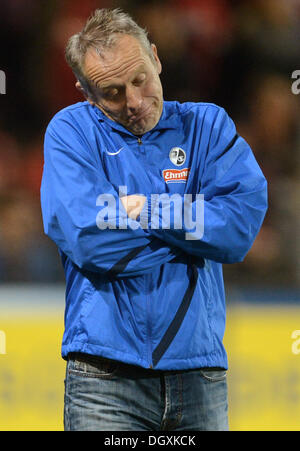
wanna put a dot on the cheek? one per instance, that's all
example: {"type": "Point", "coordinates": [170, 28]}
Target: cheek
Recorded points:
{"type": "Point", "coordinates": [115, 108]}
{"type": "Point", "coordinates": [154, 89]}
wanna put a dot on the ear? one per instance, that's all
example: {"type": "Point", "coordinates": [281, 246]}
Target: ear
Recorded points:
{"type": "Point", "coordinates": [156, 59]}
{"type": "Point", "coordinates": [82, 91]}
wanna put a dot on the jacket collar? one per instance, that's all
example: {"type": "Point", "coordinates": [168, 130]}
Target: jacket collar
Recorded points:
{"type": "Point", "coordinates": [168, 119]}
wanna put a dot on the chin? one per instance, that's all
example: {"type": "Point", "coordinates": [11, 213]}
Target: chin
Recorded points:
{"type": "Point", "coordinates": [139, 130]}
{"type": "Point", "coordinates": [144, 126]}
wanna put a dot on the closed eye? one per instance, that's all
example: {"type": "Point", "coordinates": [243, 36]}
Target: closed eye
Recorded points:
{"type": "Point", "coordinates": [112, 93]}
{"type": "Point", "coordinates": [138, 81]}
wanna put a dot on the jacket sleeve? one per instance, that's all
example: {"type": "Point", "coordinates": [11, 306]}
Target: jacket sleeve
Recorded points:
{"type": "Point", "coordinates": [229, 212]}
{"type": "Point", "coordinates": [76, 196]}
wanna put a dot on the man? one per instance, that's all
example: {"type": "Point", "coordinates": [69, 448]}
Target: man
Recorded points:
{"type": "Point", "coordinates": [128, 179]}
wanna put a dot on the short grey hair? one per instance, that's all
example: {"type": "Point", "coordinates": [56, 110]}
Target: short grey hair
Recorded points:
{"type": "Point", "coordinates": [101, 31]}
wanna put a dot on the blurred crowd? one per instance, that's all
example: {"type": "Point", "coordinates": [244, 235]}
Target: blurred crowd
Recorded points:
{"type": "Point", "coordinates": [237, 54]}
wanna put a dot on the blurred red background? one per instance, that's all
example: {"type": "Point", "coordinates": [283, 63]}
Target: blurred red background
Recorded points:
{"type": "Point", "coordinates": [237, 54]}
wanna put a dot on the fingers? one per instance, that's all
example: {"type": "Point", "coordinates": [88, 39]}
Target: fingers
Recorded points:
{"type": "Point", "coordinates": [133, 205]}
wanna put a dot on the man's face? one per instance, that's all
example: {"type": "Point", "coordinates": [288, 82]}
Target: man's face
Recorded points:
{"type": "Point", "coordinates": [126, 84]}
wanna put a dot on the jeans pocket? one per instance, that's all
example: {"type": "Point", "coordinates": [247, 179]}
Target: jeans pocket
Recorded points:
{"type": "Point", "coordinates": [92, 366]}
{"type": "Point", "coordinates": [213, 374]}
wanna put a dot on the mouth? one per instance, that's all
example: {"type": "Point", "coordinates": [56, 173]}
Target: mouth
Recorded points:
{"type": "Point", "coordinates": [141, 115]}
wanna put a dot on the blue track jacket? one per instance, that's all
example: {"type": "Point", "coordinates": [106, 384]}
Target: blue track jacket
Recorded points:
{"type": "Point", "coordinates": [149, 292]}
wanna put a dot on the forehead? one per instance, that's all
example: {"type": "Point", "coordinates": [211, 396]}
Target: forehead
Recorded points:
{"type": "Point", "coordinates": [126, 56]}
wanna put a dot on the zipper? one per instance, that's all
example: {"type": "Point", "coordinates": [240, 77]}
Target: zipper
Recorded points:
{"type": "Point", "coordinates": [149, 352]}
{"type": "Point", "coordinates": [178, 318]}
{"type": "Point", "coordinates": [148, 328]}
{"type": "Point", "coordinates": [147, 164]}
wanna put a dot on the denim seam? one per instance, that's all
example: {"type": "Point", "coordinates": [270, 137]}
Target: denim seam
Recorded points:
{"type": "Point", "coordinates": [167, 405]}
{"type": "Point", "coordinates": [180, 400]}
{"type": "Point", "coordinates": [67, 425]}
{"type": "Point", "coordinates": [214, 379]}
{"type": "Point", "coordinates": [92, 375]}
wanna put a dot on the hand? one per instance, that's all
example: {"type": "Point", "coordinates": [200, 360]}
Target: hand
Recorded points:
{"type": "Point", "coordinates": [133, 205]}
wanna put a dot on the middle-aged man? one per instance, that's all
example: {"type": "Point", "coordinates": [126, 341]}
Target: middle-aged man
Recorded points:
{"type": "Point", "coordinates": [145, 199]}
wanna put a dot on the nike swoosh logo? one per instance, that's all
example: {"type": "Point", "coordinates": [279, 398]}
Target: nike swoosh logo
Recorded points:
{"type": "Point", "coordinates": [114, 153]}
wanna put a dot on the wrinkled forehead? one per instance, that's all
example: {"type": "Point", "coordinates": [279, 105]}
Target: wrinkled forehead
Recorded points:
{"type": "Point", "coordinates": [126, 55]}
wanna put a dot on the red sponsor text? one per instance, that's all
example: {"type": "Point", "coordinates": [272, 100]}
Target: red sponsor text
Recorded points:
{"type": "Point", "coordinates": [176, 175]}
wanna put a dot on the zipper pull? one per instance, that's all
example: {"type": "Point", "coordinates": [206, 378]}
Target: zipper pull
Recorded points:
{"type": "Point", "coordinates": [140, 141]}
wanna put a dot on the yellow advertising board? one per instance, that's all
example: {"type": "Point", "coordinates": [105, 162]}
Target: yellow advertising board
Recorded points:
{"type": "Point", "coordinates": [264, 377]}
{"type": "Point", "coordinates": [264, 357]}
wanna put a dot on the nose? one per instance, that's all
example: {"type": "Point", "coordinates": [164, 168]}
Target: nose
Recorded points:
{"type": "Point", "coordinates": [134, 99]}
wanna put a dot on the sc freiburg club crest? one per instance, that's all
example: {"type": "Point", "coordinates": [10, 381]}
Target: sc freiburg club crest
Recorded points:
{"type": "Point", "coordinates": [177, 156]}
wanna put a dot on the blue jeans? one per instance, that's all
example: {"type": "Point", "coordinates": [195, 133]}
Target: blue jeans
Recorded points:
{"type": "Point", "coordinates": [106, 395]}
